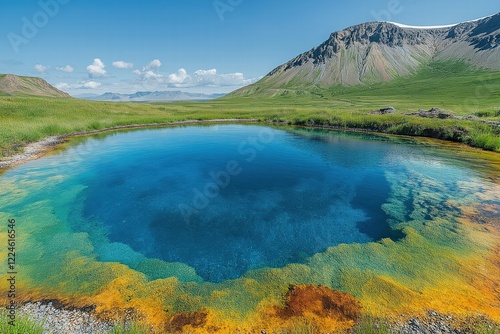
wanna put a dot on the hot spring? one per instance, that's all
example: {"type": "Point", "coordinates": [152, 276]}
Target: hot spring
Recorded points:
{"type": "Point", "coordinates": [228, 199]}
{"type": "Point", "coordinates": [217, 207]}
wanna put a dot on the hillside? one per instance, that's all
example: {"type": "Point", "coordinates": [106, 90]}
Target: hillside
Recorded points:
{"type": "Point", "coordinates": [13, 85]}
{"type": "Point", "coordinates": [378, 52]}
{"type": "Point", "coordinates": [451, 85]}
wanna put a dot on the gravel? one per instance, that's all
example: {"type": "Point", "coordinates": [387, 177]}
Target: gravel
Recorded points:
{"type": "Point", "coordinates": [57, 320]}
{"type": "Point", "coordinates": [437, 323]}
{"type": "Point", "coordinates": [61, 321]}
{"type": "Point", "coordinates": [31, 151]}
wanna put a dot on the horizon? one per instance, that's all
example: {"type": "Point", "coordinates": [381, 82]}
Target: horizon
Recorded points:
{"type": "Point", "coordinates": [155, 46]}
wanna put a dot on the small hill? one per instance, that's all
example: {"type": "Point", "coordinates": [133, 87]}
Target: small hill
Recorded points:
{"type": "Point", "coordinates": [378, 52]}
{"type": "Point", "coordinates": [13, 85]}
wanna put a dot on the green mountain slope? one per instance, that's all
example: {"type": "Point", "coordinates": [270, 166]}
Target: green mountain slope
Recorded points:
{"type": "Point", "coordinates": [450, 85]}
{"type": "Point", "coordinates": [379, 52]}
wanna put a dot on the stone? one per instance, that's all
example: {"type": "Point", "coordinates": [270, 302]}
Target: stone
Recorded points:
{"type": "Point", "coordinates": [383, 111]}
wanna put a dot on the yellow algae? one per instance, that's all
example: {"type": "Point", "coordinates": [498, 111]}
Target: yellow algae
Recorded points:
{"type": "Point", "coordinates": [157, 269]}
{"type": "Point", "coordinates": [382, 295]}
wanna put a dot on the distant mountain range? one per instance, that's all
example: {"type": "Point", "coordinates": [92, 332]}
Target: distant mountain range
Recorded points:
{"type": "Point", "coordinates": [13, 85]}
{"type": "Point", "coordinates": [382, 51]}
{"type": "Point", "coordinates": [161, 96]}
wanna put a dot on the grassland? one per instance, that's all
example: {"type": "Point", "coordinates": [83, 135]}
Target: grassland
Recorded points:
{"type": "Point", "coordinates": [450, 86]}
{"type": "Point", "coordinates": [22, 325]}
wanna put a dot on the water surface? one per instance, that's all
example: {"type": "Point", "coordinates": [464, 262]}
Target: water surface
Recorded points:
{"type": "Point", "coordinates": [227, 199]}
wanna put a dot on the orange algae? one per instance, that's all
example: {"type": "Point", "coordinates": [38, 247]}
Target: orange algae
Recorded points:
{"type": "Point", "coordinates": [326, 308]}
{"type": "Point", "coordinates": [181, 320]}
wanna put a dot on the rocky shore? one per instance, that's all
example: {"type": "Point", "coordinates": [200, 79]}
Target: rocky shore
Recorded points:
{"type": "Point", "coordinates": [58, 320]}
{"type": "Point", "coordinates": [437, 323]}
{"type": "Point", "coordinates": [443, 114]}
{"type": "Point", "coordinates": [31, 151]}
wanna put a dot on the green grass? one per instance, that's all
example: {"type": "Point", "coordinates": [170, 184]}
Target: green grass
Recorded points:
{"type": "Point", "coordinates": [487, 328]}
{"type": "Point", "coordinates": [370, 325]}
{"type": "Point", "coordinates": [450, 86]}
{"type": "Point", "coordinates": [23, 325]}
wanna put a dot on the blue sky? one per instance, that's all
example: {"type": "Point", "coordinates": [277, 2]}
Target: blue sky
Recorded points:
{"type": "Point", "coordinates": [90, 46]}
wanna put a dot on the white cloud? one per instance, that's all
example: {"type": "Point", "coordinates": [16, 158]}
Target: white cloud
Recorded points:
{"type": "Point", "coordinates": [91, 85]}
{"type": "Point", "coordinates": [67, 69]}
{"type": "Point", "coordinates": [40, 68]}
{"type": "Point", "coordinates": [122, 65]}
{"type": "Point", "coordinates": [62, 85]}
{"type": "Point", "coordinates": [96, 69]}
{"type": "Point", "coordinates": [149, 73]}
{"type": "Point", "coordinates": [80, 85]}
{"type": "Point", "coordinates": [154, 64]}
{"type": "Point", "coordinates": [207, 78]}
{"type": "Point", "coordinates": [179, 77]}
{"type": "Point", "coordinates": [213, 71]}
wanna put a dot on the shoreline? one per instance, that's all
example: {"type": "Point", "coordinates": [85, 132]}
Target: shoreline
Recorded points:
{"type": "Point", "coordinates": [38, 149]}
{"type": "Point", "coordinates": [55, 318]}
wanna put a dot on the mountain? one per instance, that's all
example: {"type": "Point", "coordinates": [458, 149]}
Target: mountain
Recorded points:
{"type": "Point", "coordinates": [382, 51]}
{"type": "Point", "coordinates": [153, 97]}
{"type": "Point", "coordinates": [14, 85]}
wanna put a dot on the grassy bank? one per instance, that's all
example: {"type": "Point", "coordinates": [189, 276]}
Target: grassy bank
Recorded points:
{"type": "Point", "coordinates": [25, 120]}
{"type": "Point", "coordinates": [21, 325]}
{"type": "Point", "coordinates": [450, 86]}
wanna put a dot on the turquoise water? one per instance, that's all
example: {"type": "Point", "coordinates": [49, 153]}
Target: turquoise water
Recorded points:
{"type": "Point", "coordinates": [229, 198]}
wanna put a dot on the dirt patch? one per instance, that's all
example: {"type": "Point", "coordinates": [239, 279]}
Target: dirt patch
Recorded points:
{"type": "Point", "coordinates": [193, 319]}
{"type": "Point", "coordinates": [321, 301]}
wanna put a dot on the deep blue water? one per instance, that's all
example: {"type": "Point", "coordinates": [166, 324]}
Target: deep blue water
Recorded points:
{"type": "Point", "coordinates": [285, 196]}
{"type": "Point", "coordinates": [229, 198]}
